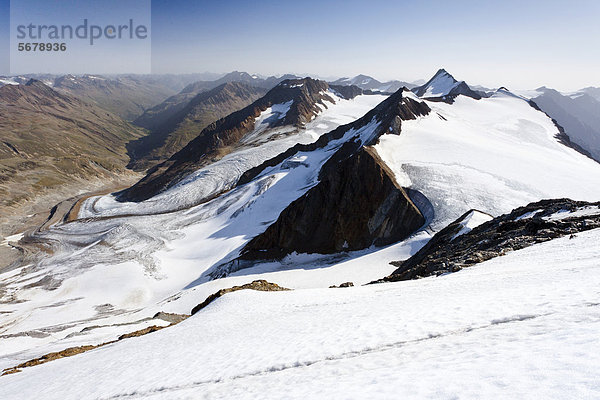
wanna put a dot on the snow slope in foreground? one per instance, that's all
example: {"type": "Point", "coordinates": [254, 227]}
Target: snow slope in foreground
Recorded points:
{"type": "Point", "coordinates": [493, 154]}
{"type": "Point", "coordinates": [520, 326]}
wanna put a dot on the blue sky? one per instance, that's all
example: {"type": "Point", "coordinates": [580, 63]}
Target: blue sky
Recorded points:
{"type": "Point", "coordinates": [513, 43]}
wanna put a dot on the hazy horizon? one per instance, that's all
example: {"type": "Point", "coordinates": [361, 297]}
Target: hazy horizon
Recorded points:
{"type": "Point", "coordinates": [521, 45]}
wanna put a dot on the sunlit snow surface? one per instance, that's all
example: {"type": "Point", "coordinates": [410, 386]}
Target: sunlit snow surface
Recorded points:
{"type": "Point", "coordinates": [523, 326]}
{"type": "Point", "coordinates": [472, 220]}
{"type": "Point", "coordinates": [492, 154]}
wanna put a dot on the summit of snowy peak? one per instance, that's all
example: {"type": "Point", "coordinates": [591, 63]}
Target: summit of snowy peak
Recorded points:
{"type": "Point", "coordinates": [358, 80]}
{"type": "Point", "coordinates": [443, 72]}
{"type": "Point", "coordinates": [362, 79]}
{"type": "Point", "coordinates": [443, 84]}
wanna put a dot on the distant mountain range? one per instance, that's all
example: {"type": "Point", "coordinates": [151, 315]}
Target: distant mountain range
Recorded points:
{"type": "Point", "coordinates": [369, 83]}
{"type": "Point", "coordinates": [578, 113]}
{"type": "Point", "coordinates": [126, 96]}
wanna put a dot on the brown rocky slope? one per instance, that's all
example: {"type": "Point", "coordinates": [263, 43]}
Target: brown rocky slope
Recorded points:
{"type": "Point", "coordinates": [183, 125]}
{"type": "Point", "coordinates": [50, 140]}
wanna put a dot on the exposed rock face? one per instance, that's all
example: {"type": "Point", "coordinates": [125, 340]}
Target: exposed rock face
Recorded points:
{"type": "Point", "coordinates": [260, 285]}
{"type": "Point", "coordinates": [350, 91]}
{"type": "Point", "coordinates": [153, 118]}
{"type": "Point", "coordinates": [355, 205]}
{"type": "Point", "coordinates": [220, 137]}
{"type": "Point", "coordinates": [535, 223]}
{"type": "Point", "coordinates": [342, 285]}
{"type": "Point", "coordinates": [186, 123]}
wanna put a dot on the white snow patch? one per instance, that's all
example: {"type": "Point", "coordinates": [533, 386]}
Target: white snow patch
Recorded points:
{"type": "Point", "coordinates": [471, 221]}
{"type": "Point", "coordinates": [587, 211]}
{"type": "Point", "coordinates": [528, 215]}
{"type": "Point", "coordinates": [440, 86]}
{"type": "Point", "coordinates": [12, 238]}
{"type": "Point", "coordinates": [136, 265]}
{"type": "Point", "coordinates": [8, 82]}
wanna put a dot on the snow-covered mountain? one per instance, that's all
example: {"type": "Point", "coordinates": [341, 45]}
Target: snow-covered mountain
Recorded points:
{"type": "Point", "coordinates": [443, 85]}
{"type": "Point", "coordinates": [309, 187]}
{"type": "Point", "coordinates": [283, 111]}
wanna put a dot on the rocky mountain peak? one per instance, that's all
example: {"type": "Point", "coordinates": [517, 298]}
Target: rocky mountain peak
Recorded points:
{"type": "Point", "coordinates": [443, 73]}
{"type": "Point", "coordinates": [305, 94]}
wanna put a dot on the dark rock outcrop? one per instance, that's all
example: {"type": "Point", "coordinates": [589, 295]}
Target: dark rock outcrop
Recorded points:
{"type": "Point", "coordinates": [357, 203]}
{"type": "Point", "coordinates": [342, 285]}
{"type": "Point", "coordinates": [523, 227]}
{"type": "Point", "coordinates": [261, 285]}
{"type": "Point", "coordinates": [348, 92]}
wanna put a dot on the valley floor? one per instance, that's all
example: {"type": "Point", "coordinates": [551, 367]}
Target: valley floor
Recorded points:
{"type": "Point", "coordinates": [524, 325]}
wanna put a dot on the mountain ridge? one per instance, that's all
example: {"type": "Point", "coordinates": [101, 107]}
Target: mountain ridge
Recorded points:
{"type": "Point", "coordinates": [215, 140]}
